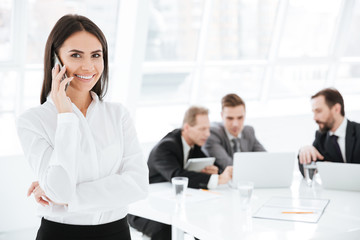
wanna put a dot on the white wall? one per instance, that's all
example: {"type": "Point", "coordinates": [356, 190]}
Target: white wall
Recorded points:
{"type": "Point", "coordinates": [17, 211]}
{"type": "Point", "coordinates": [289, 133]}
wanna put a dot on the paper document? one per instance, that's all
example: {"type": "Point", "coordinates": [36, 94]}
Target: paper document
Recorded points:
{"type": "Point", "coordinates": [293, 209]}
{"type": "Point", "coordinates": [192, 195]}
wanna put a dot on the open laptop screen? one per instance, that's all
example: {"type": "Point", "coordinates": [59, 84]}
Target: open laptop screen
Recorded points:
{"type": "Point", "coordinates": [340, 176]}
{"type": "Point", "coordinates": [265, 169]}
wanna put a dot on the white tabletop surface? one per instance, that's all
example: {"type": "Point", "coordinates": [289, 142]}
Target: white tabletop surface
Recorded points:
{"type": "Point", "coordinates": [224, 218]}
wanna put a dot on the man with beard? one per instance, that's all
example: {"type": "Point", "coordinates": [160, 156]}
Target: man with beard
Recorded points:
{"type": "Point", "coordinates": [338, 139]}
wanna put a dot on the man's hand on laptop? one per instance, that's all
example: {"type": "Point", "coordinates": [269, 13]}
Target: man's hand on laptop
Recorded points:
{"type": "Point", "coordinates": [226, 175]}
{"type": "Point", "coordinates": [308, 154]}
{"type": "Point", "coordinates": [212, 169]}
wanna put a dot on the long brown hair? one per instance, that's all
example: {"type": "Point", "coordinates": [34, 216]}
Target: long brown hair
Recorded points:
{"type": "Point", "coordinates": [64, 28]}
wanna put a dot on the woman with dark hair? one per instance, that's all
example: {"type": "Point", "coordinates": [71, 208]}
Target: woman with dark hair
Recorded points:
{"type": "Point", "coordinates": [83, 151]}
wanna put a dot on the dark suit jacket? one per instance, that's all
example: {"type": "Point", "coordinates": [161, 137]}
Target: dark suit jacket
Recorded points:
{"type": "Point", "coordinates": [352, 145]}
{"type": "Point", "coordinates": [218, 144]}
{"type": "Point", "coordinates": [166, 161]}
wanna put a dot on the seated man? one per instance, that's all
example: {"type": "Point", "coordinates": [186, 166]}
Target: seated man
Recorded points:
{"type": "Point", "coordinates": [167, 160]}
{"type": "Point", "coordinates": [231, 135]}
{"type": "Point", "coordinates": [338, 139]}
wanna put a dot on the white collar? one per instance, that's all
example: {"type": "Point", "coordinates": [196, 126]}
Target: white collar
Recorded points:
{"type": "Point", "coordinates": [186, 146]}
{"type": "Point", "coordinates": [94, 97]}
{"type": "Point", "coordinates": [341, 130]}
{"type": "Point", "coordinates": [95, 100]}
{"type": "Point", "coordinates": [230, 136]}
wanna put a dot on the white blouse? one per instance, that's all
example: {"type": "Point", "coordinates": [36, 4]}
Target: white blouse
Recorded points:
{"type": "Point", "coordinates": [93, 163]}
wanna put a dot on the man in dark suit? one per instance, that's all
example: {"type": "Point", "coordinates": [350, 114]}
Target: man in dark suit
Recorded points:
{"type": "Point", "coordinates": [231, 135]}
{"type": "Point", "coordinates": [167, 160]}
{"type": "Point", "coordinates": [338, 139]}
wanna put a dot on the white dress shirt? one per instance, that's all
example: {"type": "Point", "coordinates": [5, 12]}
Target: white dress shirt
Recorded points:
{"type": "Point", "coordinates": [214, 178]}
{"type": "Point", "coordinates": [93, 163]}
{"type": "Point", "coordinates": [186, 149]}
{"type": "Point", "coordinates": [341, 133]}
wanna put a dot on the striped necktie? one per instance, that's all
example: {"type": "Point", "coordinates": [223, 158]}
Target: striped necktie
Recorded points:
{"type": "Point", "coordinates": [236, 142]}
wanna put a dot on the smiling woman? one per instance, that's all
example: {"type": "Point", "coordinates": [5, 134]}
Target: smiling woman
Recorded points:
{"type": "Point", "coordinates": [83, 151]}
{"type": "Point", "coordinates": [81, 55]}
{"type": "Point", "coordinates": [83, 47]}
{"type": "Point", "coordinates": [85, 61]}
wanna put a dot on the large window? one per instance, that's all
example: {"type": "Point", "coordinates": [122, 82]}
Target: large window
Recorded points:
{"type": "Point", "coordinates": [6, 28]}
{"type": "Point", "coordinates": [174, 29]}
{"type": "Point", "coordinates": [239, 29]}
{"type": "Point", "coordinates": [270, 52]}
{"type": "Point", "coordinates": [309, 28]}
{"type": "Point", "coordinates": [103, 13]}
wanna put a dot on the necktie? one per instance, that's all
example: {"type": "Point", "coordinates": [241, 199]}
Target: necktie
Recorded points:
{"type": "Point", "coordinates": [191, 151]}
{"type": "Point", "coordinates": [335, 143]}
{"type": "Point", "coordinates": [236, 146]}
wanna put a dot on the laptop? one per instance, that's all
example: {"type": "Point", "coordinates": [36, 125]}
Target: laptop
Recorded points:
{"type": "Point", "coordinates": [340, 176]}
{"type": "Point", "coordinates": [264, 169]}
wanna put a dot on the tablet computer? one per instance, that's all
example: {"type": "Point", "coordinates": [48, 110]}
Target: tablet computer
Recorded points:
{"type": "Point", "coordinates": [198, 164]}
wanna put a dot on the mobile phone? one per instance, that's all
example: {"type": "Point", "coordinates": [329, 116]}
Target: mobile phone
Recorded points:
{"type": "Point", "coordinates": [57, 61]}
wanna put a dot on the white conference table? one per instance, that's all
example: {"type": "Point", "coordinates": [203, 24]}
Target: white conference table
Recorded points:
{"type": "Point", "coordinates": [223, 217]}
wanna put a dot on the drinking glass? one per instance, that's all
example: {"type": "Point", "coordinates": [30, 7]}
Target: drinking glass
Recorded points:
{"type": "Point", "coordinates": [309, 172]}
{"type": "Point", "coordinates": [180, 185]}
{"type": "Point", "coordinates": [245, 189]}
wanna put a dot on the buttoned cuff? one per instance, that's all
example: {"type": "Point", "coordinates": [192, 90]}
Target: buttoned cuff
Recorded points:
{"type": "Point", "coordinates": [213, 181]}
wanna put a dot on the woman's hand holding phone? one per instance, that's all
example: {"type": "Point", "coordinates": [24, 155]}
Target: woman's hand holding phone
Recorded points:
{"type": "Point", "coordinates": [58, 93]}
